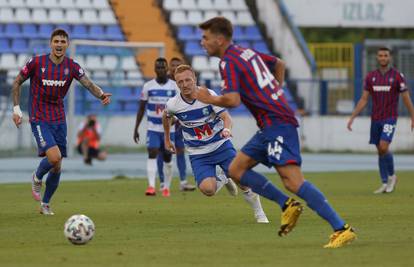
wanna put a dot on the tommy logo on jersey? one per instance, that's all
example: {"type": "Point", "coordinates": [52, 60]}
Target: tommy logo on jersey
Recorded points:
{"type": "Point", "coordinates": [53, 83]}
{"type": "Point", "coordinates": [381, 88]}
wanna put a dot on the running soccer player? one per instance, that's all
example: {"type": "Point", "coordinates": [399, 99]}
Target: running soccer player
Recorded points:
{"type": "Point", "coordinates": [154, 95]}
{"type": "Point", "coordinates": [178, 141]}
{"type": "Point", "coordinates": [247, 78]}
{"type": "Point", "coordinates": [50, 78]}
{"type": "Point", "coordinates": [206, 132]}
{"type": "Point", "coordinates": [384, 84]}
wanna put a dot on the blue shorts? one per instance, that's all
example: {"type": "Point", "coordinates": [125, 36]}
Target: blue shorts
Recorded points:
{"type": "Point", "coordinates": [205, 165]}
{"type": "Point", "coordinates": [178, 137]}
{"type": "Point", "coordinates": [278, 145]}
{"type": "Point", "coordinates": [156, 139]}
{"type": "Point", "coordinates": [382, 130]}
{"type": "Point", "coordinates": [48, 135]}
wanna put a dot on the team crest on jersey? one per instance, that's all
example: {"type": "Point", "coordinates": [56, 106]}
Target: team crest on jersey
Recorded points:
{"type": "Point", "coordinates": [205, 111]}
{"type": "Point", "coordinates": [81, 72]}
{"type": "Point", "coordinates": [43, 70]}
{"type": "Point", "coordinates": [223, 64]}
{"type": "Point", "coordinates": [66, 71]}
{"type": "Point", "coordinates": [169, 93]}
{"type": "Point", "coordinates": [373, 79]}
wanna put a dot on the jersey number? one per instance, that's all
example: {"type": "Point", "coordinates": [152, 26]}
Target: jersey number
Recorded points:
{"type": "Point", "coordinates": [263, 75]}
{"type": "Point", "coordinates": [203, 131]}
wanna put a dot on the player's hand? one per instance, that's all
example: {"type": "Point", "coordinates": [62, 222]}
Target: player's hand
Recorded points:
{"type": "Point", "coordinates": [106, 98]}
{"type": "Point", "coordinates": [349, 125]}
{"type": "Point", "coordinates": [17, 115]}
{"type": "Point", "coordinates": [226, 133]}
{"type": "Point", "coordinates": [136, 136]}
{"type": "Point", "coordinates": [203, 94]}
{"type": "Point", "coordinates": [169, 146]}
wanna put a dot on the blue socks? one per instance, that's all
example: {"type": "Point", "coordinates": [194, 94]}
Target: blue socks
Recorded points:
{"type": "Point", "coordinates": [262, 186]}
{"type": "Point", "coordinates": [389, 159]}
{"type": "Point", "coordinates": [317, 202]}
{"type": "Point", "coordinates": [181, 166]}
{"type": "Point", "coordinates": [382, 162]}
{"type": "Point", "coordinates": [160, 166]}
{"type": "Point", "coordinates": [44, 167]}
{"type": "Point", "coordinates": [52, 183]}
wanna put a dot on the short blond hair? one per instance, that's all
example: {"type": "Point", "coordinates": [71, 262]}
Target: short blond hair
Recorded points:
{"type": "Point", "coordinates": [181, 68]}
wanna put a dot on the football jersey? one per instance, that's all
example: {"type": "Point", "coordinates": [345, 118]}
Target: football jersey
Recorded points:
{"type": "Point", "coordinates": [201, 125]}
{"type": "Point", "coordinates": [385, 89]}
{"type": "Point", "coordinates": [249, 73]}
{"type": "Point", "coordinates": [157, 96]}
{"type": "Point", "coordinates": [49, 84]}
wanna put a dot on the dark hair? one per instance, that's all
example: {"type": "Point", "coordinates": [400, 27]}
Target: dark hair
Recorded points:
{"type": "Point", "coordinates": [384, 48]}
{"type": "Point", "coordinates": [59, 32]}
{"type": "Point", "coordinates": [161, 59]}
{"type": "Point", "coordinates": [218, 25]}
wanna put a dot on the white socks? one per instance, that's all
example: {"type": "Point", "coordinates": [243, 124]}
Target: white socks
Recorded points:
{"type": "Point", "coordinates": [253, 200]}
{"type": "Point", "coordinates": [168, 173]}
{"type": "Point", "coordinates": [151, 171]}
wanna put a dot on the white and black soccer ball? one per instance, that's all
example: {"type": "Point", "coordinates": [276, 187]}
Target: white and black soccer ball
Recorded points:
{"type": "Point", "coordinates": [79, 229]}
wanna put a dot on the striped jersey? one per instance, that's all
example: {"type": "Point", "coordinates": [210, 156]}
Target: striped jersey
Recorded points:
{"type": "Point", "coordinates": [201, 125]}
{"type": "Point", "coordinates": [156, 95]}
{"type": "Point", "coordinates": [249, 73]}
{"type": "Point", "coordinates": [385, 89]}
{"type": "Point", "coordinates": [49, 84]}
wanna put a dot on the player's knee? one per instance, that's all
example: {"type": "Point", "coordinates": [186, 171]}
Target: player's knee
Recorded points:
{"type": "Point", "coordinates": [208, 187]}
{"type": "Point", "coordinates": [55, 160]}
{"type": "Point", "coordinates": [208, 192]}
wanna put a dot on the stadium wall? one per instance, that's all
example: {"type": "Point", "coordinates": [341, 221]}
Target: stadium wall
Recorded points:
{"type": "Point", "coordinates": [319, 133]}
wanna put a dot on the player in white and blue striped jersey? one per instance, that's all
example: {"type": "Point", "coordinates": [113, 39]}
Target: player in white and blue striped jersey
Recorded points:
{"type": "Point", "coordinates": [154, 95]}
{"type": "Point", "coordinates": [206, 132]}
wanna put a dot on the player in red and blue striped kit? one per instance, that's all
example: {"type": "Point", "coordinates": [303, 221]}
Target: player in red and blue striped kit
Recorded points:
{"type": "Point", "coordinates": [384, 84]}
{"type": "Point", "coordinates": [50, 78]}
{"type": "Point", "coordinates": [247, 78]}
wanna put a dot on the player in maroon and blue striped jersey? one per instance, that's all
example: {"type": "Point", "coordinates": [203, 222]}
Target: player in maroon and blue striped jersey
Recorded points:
{"type": "Point", "coordinates": [385, 85]}
{"type": "Point", "coordinates": [50, 78]}
{"type": "Point", "coordinates": [254, 79]}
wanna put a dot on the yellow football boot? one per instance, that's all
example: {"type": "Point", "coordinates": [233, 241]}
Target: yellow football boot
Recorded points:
{"type": "Point", "coordinates": [341, 238]}
{"type": "Point", "coordinates": [290, 216]}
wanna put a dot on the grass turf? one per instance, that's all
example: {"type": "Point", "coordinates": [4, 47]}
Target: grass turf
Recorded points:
{"type": "Point", "coordinates": [189, 229]}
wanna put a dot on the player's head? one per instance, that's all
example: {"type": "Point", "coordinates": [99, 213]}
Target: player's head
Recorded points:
{"type": "Point", "coordinates": [173, 64]}
{"type": "Point", "coordinates": [217, 35]}
{"type": "Point", "coordinates": [383, 56]}
{"type": "Point", "coordinates": [59, 42]}
{"type": "Point", "coordinates": [186, 79]}
{"type": "Point", "coordinates": [161, 68]}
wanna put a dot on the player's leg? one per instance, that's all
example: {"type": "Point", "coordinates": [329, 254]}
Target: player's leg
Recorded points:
{"type": "Point", "coordinates": [385, 155]}
{"type": "Point", "coordinates": [181, 162]}
{"type": "Point", "coordinates": [153, 145]}
{"type": "Point", "coordinates": [168, 172]}
{"type": "Point", "coordinates": [160, 168]}
{"type": "Point", "coordinates": [375, 138]}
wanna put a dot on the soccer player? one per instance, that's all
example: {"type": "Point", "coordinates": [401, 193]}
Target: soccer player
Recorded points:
{"type": "Point", "coordinates": [178, 141]}
{"type": "Point", "coordinates": [247, 78]}
{"type": "Point", "coordinates": [206, 132]}
{"type": "Point", "coordinates": [154, 95]}
{"type": "Point", "coordinates": [384, 84]}
{"type": "Point", "coordinates": [50, 77]}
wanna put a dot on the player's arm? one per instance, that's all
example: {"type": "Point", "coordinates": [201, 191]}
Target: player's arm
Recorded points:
{"type": "Point", "coordinates": [166, 123]}
{"type": "Point", "coordinates": [95, 90]}
{"type": "Point", "coordinates": [279, 71]}
{"type": "Point", "coordinates": [407, 102]}
{"type": "Point", "coordinates": [229, 100]}
{"type": "Point", "coordinates": [363, 101]}
{"type": "Point", "coordinates": [140, 115]}
{"type": "Point", "coordinates": [16, 88]}
{"type": "Point", "coordinates": [225, 116]}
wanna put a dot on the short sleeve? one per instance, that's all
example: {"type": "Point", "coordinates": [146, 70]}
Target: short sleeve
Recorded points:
{"type": "Point", "coordinates": [367, 83]}
{"type": "Point", "coordinates": [402, 85]}
{"type": "Point", "coordinates": [270, 61]}
{"type": "Point", "coordinates": [169, 110]}
{"type": "Point", "coordinates": [216, 109]}
{"type": "Point", "coordinates": [144, 93]}
{"type": "Point", "coordinates": [230, 76]}
{"type": "Point", "coordinates": [77, 70]}
{"type": "Point", "coordinates": [28, 69]}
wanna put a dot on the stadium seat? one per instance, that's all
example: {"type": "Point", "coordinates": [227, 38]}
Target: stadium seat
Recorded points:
{"type": "Point", "coordinates": [101, 77]}
{"type": "Point", "coordinates": [261, 47]}
{"type": "Point", "coordinates": [186, 32]}
{"type": "Point", "coordinates": [134, 75]}
{"type": "Point", "coordinates": [100, 4]}
{"type": "Point", "coordinates": [29, 31]}
{"type": "Point", "coordinates": [56, 16]}
{"type": "Point", "coordinates": [178, 17]}
{"type": "Point", "coordinates": [45, 30]}
{"type": "Point", "coordinates": [221, 5]}
{"type": "Point", "coordinates": [193, 48]}
{"type": "Point", "coordinates": [8, 61]}
{"type": "Point", "coordinates": [83, 4]}
{"type": "Point", "coordinates": [200, 63]}
{"type": "Point", "coordinates": [214, 63]}
{"type": "Point", "coordinates": [106, 16]}
{"type": "Point", "coordinates": [244, 18]}
{"type": "Point", "coordinates": [19, 46]}
{"type": "Point", "coordinates": [80, 32]}
{"type": "Point", "coordinates": [33, 3]}
{"type": "Point", "coordinates": [65, 27]}
{"type": "Point", "coordinates": [129, 63]}
{"type": "Point", "coordinates": [39, 47]}
{"type": "Point", "coordinates": [210, 14]}
{"type": "Point", "coordinates": [207, 76]}
{"type": "Point", "coordinates": [16, 3]}
{"type": "Point", "coordinates": [90, 16]}
{"type": "Point", "coordinates": [22, 15]}
{"type": "Point", "coordinates": [22, 59]}
{"type": "Point", "coordinates": [50, 3]}
{"type": "Point", "coordinates": [1, 30]}
{"type": "Point", "coordinates": [110, 62]}
{"type": "Point", "coordinates": [230, 15]}
{"type": "Point", "coordinates": [238, 33]}
{"type": "Point", "coordinates": [189, 5]}
{"type": "Point", "coordinates": [239, 5]}
{"type": "Point", "coordinates": [67, 4]}
{"type": "Point", "coordinates": [205, 5]}
{"type": "Point", "coordinates": [80, 59]}
{"type": "Point", "coordinates": [6, 15]}
{"type": "Point", "coordinates": [245, 44]}
{"type": "Point", "coordinates": [113, 32]}
{"type": "Point", "coordinates": [171, 5]}
{"type": "Point", "coordinates": [12, 30]}
{"type": "Point", "coordinates": [97, 32]}
{"type": "Point", "coordinates": [194, 17]}
{"type": "Point", "coordinates": [73, 16]}
{"type": "Point", "coordinates": [39, 15]}
{"type": "Point", "coordinates": [253, 33]}
{"type": "Point", "coordinates": [4, 46]}
{"type": "Point", "coordinates": [93, 62]}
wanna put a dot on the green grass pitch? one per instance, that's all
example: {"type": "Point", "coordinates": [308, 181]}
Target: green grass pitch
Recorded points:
{"type": "Point", "coordinates": [189, 229]}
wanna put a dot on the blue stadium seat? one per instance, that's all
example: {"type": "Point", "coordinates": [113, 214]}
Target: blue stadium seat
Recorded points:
{"type": "Point", "coordinates": [113, 32]}
{"type": "Point", "coordinates": [97, 32]}
{"type": "Point", "coordinates": [12, 30]}
{"type": "Point", "coordinates": [4, 45]}
{"type": "Point", "coordinates": [80, 32]}
{"type": "Point", "coordinates": [66, 27]}
{"type": "Point", "coordinates": [253, 33]}
{"type": "Point", "coordinates": [186, 32]}
{"type": "Point", "coordinates": [193, 48]}
{"type": "Point", "coordinates": [238, 34]}
{"type": "Point", "coordinates": [261, 47]}
{"type": "Point", "coordinates": [245, 44]}
{"type": "Point", "coordinates": [29, 31]}
{"type": "Point", "coordinates": [1, 31]}
{"type": "Point", "coordinates": [19, 46]}
{"type": "Point", "coordinates": [45, 30]}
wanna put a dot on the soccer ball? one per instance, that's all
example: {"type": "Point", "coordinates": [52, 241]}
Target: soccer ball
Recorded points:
{"type": "Point", "coordinates": [79, 229]}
